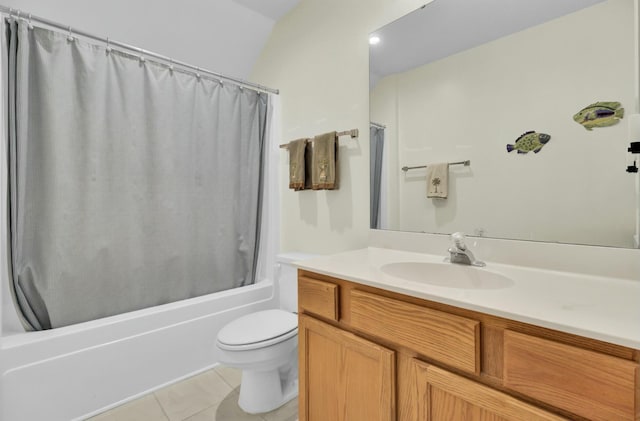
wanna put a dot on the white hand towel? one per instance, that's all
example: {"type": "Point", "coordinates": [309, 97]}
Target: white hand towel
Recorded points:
{"type": "Point", "coordinates": [438, 180]}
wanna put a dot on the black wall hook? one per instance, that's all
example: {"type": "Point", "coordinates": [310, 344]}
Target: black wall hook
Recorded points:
{"type": "Point", "coordinates": [634, 147]}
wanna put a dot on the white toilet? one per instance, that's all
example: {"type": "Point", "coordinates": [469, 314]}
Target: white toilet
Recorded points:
{"type": "Point", "coordinates": [264, 345]}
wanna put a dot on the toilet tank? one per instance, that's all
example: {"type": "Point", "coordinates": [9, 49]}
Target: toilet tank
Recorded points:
{"type": "Point", "coordinates": [287, 281]}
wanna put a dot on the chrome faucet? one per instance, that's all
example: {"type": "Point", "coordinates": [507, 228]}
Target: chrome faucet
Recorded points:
{"type": "Point", "coordinates": [460, 254]}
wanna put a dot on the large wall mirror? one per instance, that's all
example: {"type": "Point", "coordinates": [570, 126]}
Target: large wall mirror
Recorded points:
{"type": "Point", "coordinates": [461, 80]}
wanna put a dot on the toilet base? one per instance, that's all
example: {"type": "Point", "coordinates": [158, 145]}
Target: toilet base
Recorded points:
{"type": "Point", "coordinates": [264, 391]}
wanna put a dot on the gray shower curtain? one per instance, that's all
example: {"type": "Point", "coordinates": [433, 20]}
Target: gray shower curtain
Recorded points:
{"type": "Point", "coordinates": [376, 149]}
{"type": "Point", "coordinates": [130, 185]}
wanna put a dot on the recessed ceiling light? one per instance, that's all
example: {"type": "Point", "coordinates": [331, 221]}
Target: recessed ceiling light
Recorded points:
{"type": "Point", "coordinates": [373, 40]}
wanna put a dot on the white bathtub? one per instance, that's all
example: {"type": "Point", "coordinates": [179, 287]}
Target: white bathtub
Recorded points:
{"type": "Point", "coordinates": [77, 371]}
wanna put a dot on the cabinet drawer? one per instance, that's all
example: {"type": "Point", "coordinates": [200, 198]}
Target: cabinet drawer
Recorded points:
{"type": "Point", "coordinates": [587, 383]}
{"type": "Point", "coordinates": [318, 297]}
{"type": "Point", "coordinates": [447, 338]}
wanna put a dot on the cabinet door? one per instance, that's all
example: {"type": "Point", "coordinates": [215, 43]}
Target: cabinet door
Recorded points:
{"type": "Point", "coordinates": [444, 396]}
{"type": "Point", "coordinates": [342, 376]}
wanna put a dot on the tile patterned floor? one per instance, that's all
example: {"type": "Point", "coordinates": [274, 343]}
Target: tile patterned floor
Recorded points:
{"type": "Point", "coordinates": [210, 396]}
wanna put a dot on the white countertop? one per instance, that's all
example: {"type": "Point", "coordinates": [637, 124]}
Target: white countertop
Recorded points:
{"type": "Point", "coordinates": [603, 308]}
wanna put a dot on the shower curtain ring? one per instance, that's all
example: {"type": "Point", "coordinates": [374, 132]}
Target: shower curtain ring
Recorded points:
{"type": "Point", "coordinates": [142, 60]}
{"type": "Point", "coordinates": [29, 24]}
{"type": "Point", "coordinates": [108, 49]}
{"type": "Point", "coordinates": [198, 73]}
{"type": "Point", "coordinates": [171, 65]}
{"type": "Point", "coordinates": [221, 82]}
{"type": "Point", "coordinates": [70, 36]}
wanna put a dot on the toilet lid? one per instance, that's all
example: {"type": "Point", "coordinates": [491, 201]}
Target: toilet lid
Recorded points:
{"type": "Point", "coordinates": [258, 327]}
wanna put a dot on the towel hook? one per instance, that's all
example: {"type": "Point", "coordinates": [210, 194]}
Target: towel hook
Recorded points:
{"type": "Point", "coordinates": [70, 36]}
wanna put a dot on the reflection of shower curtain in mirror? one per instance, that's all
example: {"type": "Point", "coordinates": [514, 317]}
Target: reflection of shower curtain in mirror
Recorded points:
{"type": "Point", "coordinates": [376, 148]}
{"type": "Point", "coordinates": [130, 185]}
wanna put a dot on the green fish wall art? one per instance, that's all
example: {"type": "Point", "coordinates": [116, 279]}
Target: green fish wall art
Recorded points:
{"type": "Point", "coordinates": [599, 114]}
{"type": "Point", "coordinates": [529, 141]}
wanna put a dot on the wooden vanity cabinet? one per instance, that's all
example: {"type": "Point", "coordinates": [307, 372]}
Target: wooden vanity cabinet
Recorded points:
{"type": "Point", "coordinates": [368, 354]}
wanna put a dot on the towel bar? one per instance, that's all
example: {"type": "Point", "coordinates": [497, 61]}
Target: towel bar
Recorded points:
{"type": "Point", "coordinates": [465, 163]}
{"type": "Point", "coordinates": [353, 133]}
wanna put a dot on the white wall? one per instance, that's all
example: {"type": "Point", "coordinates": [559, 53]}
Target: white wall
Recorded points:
{"type": "Point", "coordinates": [218, 35]}
{"type": "Point", "coordinates": [317, 56]}
{"type": "Point", "coordinates": [470, 105]}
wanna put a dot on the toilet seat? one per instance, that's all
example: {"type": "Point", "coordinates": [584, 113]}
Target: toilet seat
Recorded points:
{"type": "Point", "coordinates": [258, 330]}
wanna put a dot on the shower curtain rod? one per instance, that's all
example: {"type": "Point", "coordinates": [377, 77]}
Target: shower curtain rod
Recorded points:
{"type": "Point", "coordinates": [28, 17]}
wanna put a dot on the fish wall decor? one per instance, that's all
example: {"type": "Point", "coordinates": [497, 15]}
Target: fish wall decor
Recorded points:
{"type": "Point", "coordinates": [529, 141]}
{"type": "Point", "coordinates": [599, 114]}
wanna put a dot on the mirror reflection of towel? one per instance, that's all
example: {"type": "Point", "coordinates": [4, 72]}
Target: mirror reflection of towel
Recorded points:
{"type": "Point", "coordinates": [324, 169]}
{"type": "Point", "coordinates": [299, 164]}
{"type": "Point", "coordinates": [438, 181]}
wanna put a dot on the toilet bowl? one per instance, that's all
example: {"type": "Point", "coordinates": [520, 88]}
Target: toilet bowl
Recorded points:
{"type": "Point", "coordinates": [264, 345]}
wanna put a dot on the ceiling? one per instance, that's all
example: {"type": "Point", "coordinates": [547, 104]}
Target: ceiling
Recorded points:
{"type": "Point", "coordinates": [273, 9]}
{"type": "Point", "coordinates": [226, 36]}
{"type": "Point", "coordinates": [445, 27]}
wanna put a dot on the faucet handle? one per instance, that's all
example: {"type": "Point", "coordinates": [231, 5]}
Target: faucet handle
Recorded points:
{"type": "Point", "coordinates": [458, 239]}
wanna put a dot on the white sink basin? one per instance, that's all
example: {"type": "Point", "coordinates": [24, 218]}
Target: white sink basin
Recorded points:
{"type": "Point", "coordinates": [447, 275]}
